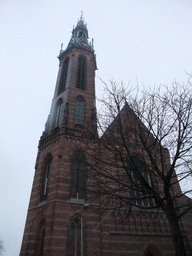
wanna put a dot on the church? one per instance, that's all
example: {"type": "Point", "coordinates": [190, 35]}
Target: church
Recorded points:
{"type": "Point", "coordinates": [64, 216]}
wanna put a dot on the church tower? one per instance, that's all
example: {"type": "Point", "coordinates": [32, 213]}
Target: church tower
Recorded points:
{"type": "Point", "coordinates": [55, 222]}
{"type": "Point", "coordinates": [65, 217]}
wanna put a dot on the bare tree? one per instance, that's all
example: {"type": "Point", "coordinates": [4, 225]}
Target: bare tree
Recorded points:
{"type": "Point", "coordinates": [144, 151]}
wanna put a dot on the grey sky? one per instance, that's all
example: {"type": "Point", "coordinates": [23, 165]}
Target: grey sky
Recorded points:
{"type": "Point", "coordinates": [148, 41]}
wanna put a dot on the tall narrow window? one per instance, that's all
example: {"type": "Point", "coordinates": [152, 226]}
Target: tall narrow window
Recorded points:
{"type": "Point", "coordinates": [74, 238]}
{"type": "Point", "coordinates": [140, 179]}
{"type": "Point", "coordinates": [45, 181]}
{"type": "Point", "coordinates": [78, 176]}
{"type": "Point", "coordinates": [63, 77]}
{"type": "Point", "coordinates": [58, 113]}
{"type": "Point", "coordinates": [79, 111]}
{"type": "Point", "coordinates": [42, 241]}
{"type": "Point", "coordinates": [81, 72]}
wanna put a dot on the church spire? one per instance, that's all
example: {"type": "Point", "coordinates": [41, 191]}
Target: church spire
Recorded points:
{"type": "Point", "coordinates": [73, 106]}
{"type": "Point", "coordinates": [80, 36]}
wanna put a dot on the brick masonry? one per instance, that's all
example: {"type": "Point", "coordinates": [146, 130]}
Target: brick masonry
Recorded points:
{"type": "Point", "coordinates": [105, 233]}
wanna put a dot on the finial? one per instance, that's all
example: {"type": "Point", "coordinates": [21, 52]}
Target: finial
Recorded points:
{"type": "Point", "coordinates": [81, 18]}
{"type": "Point", "coordinates": [61, 48]}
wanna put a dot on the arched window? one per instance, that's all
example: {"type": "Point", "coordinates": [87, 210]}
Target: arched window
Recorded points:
{"type": "Point", "coordinates": [63, 77]}
{"type": "Point", "coordinates": [79, 111]}
{"type": "Point", "coordinates": [80, 34]}
{"type": "Point", "coordinates": [58, 113]}
{"type": "Point", "coordinates": [40, 239]}
{"type": "Point", "coordinates": [81, 72]}
{"type": "Point", "coordinates": [45, 178]}
{"type": "Point", "coordinates": [74, 238]}
{"type": "Point", "coordinates": [78, 175]}
{"type": "Point", "coordinates": [140, 179]}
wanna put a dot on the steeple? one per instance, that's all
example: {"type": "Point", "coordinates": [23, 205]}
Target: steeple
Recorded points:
{"type": "Point", "coordinates": [60, 175]}
{"type": "Point", "coordinates": [73, 107]}
{"type": "Point", "coordinates": [79, 36]}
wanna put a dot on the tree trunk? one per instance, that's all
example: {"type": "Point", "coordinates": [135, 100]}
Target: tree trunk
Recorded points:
{"type": "Point", "coordinates": [176, 235]}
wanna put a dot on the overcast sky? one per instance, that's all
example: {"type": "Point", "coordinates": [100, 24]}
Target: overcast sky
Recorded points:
{"type": "Point", "coordinates": [149, 41]}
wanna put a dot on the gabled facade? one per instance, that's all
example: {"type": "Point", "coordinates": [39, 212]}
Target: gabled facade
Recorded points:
{"type": "Point", "coordinates": [63, 217]}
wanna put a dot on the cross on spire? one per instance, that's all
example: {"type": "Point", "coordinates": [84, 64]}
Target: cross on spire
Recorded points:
{"type": "Point", "coordinates": [81, 17]}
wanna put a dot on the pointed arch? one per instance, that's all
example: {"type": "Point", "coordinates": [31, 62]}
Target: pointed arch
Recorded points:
{"type": "Point", "coordinates": [152, 250]}
{"type": "Point", "coordinates": [45, 177]}
{"type": "Point", "coordinates": [40, 238]}
{"type": "Point", "coordinates": [79, 110]}
{"type": "Point", "coordinates": [81, 72]}
{"type": "Point", "coordinates": [63, 77]}
{"type": "Point", "coordinates": [58, 112]}
{"type": "Point", "coordinates": [78, 175]}
{"type": "Point", "coordinates": [75, 237]}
